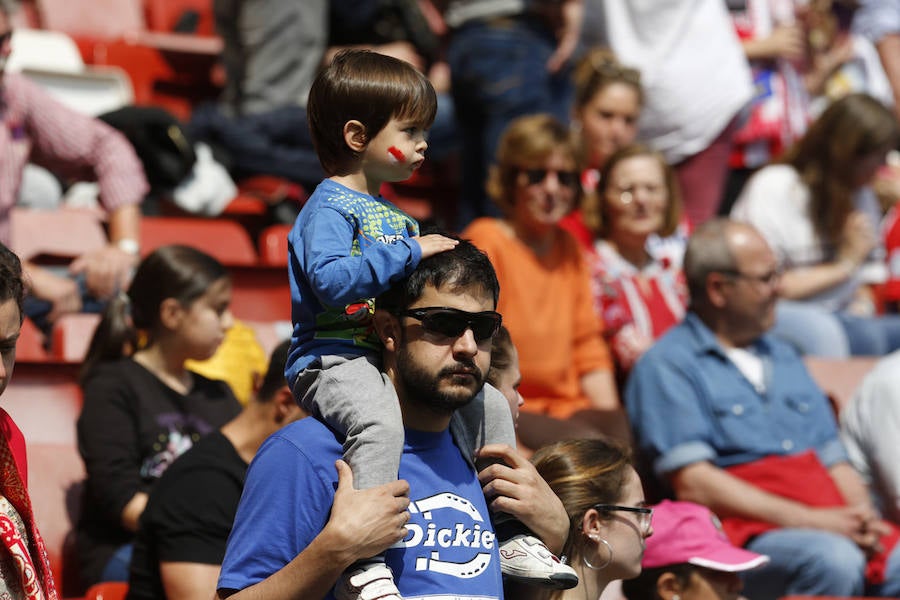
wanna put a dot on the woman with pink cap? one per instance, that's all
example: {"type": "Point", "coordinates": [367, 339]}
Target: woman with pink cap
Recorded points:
{"type": "Point", "coordinates": [690, 558]}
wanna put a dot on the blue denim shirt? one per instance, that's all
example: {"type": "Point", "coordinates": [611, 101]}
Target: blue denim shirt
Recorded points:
{"type": "Point", "coordinates": [689, 403]}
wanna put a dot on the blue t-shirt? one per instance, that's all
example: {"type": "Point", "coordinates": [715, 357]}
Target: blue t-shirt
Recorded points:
{"type": "Point", "coordinates": [344, 249]}
{"type": "Point", "coordinates": [450, 552]}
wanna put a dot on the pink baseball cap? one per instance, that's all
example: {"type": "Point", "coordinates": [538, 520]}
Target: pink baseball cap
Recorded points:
{"type": "Point", "coordinates": [684, 532]}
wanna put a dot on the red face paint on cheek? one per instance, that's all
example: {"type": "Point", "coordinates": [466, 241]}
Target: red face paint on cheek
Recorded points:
{"type": "Point", "coordinates": [396, 153]}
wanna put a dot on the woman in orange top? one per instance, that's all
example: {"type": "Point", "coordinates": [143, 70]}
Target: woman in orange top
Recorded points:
{"type": "Point", "coordinates": [545, 297]}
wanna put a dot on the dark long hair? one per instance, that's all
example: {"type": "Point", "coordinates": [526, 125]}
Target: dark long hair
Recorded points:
{"type": "Point", "coordinates": [178, 272]}
{"type": "Point", "coordinates": [849, 129]}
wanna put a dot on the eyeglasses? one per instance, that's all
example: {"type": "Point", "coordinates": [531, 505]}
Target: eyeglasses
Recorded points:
{"type": "Point", "coordinates": [767, 279]}
{"type": "Point", "coordinates": [452, 322]}
{"type": "Point", "coordinates": [644, 514]}
{"type": "Point", "coordinates": [565, 178]}
{"type": "Point", "coordinates": [626, 194]}
{"type": "Point", "coordinates": [5, 37]}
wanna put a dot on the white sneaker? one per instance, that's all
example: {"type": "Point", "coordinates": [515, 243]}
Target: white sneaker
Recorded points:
{"type": "Point", "coordinates": [367, 581]}
{"type": "Point", "coordinates": [525, 558]}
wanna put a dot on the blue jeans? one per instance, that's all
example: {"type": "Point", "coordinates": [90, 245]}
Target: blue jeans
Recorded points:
{"type": "Point", "coordinates": [813, 562]}
{"type": "Point", "coordinates": [815, 331]}
{"type": "Point", "coordinates": [119, 564]}
{"type": "Point", "coordinates": [499, 72]}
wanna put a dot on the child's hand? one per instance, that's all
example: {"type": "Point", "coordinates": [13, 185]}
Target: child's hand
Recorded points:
{"type": "Point", "coordinates": [434, 243]}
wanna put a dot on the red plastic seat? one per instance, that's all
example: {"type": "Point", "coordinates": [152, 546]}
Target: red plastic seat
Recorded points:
{"type": "Point", "coordinates": [260, 293]}
{"type": "Point", "coordinates": [222, 239]}
{"type": "Point", "coordinates": [63, 233]}
{"type": "Point", "coordinates": [273, 250]}
{"type": "Point", "coordinates": [163, 15]}
{"type": "Point", "coordinates": [72, 335]}
{"type": "Point", "coordinates": [839, 378]}
{"type": "Point", "coordinates": [108, 590]}
{"type": "Point", "coordinates": [30, 347]}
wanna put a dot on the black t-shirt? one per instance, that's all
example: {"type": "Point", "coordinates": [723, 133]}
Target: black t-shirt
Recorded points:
{"type": "Point", "coordinates": [131, 428]}
{"type": "Point", "coordinates": [189, 514]}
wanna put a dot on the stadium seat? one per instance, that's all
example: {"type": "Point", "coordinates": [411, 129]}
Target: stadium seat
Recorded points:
{"type": "Point", "coordinates": [273, 250]}
{"type": "Point", "coordinates": [260, 293]}
{"type": "Point", "coordinates": [72, 335]}
{"type": "Point", "coordinates": [223, 239]}
{"type": "Point", "coordinates": [64, 233]}
{"type": "Point", "coordinates": [170, 70]}
{"type": "Point", "coordinates": [108, 590]}
{"type": "Point", "coordinates": [30, 347]}
{"type": "Point", "coordinates": [839, 378]}
{"type": "Point", "coordinates": [164, 15]}
{"type": "Point", "coordinates": [42, 49]}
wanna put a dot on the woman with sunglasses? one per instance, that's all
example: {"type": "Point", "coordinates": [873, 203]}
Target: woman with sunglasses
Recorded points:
{"type": "Point", "coordinates": [546, 301]}
{"type": "Point", "coordinates": [608, 522]}
{"type": "Point", "coordinates": [817, 210]}
{"type": "Point", "coordinates": [635, 261]}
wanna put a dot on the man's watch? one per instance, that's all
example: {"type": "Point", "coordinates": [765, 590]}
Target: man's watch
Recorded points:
{"type": "Point", "coordinates": [129, 245]}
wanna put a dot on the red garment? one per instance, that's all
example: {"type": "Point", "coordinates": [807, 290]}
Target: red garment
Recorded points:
{"type": "Point", "coordinates": [802, 478]}
{"type": "Point", "coordinates": [891, 234]}
{"type": "Point", "coordinates": [31, 558]}
{"type": "Point", "coordinates": [636, 306]}
{"type": "Point", "coordinates": [36, 128]}
{"type": "Point", "coordinates": [779, 112]}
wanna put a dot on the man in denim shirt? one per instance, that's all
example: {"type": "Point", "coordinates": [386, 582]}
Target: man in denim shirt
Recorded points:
{"type": "Point", "coordinates": [716, 393]}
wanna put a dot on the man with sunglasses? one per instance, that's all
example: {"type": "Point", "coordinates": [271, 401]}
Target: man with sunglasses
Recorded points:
{"type": "Point", "coordinates": [436, 327]}
{"type": "Point", "coordinates": [36, 129]}
{"type": "Point", "coordinates": [729, 417]}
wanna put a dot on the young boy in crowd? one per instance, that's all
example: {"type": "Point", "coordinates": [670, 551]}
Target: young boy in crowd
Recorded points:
{"type": "Point", "coordinates": [369, 115]}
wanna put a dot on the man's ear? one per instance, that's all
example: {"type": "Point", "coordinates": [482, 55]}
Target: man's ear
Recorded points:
{"type": "Point", "coordinates": [388, 329]}
{"type": "Point", "coordinates": [355, 135]}
{"type": "Point", "coordinates": [714, 285]}
{"type": "Point", "coordinates": [668, 586]}
{"type": "Point", "coordinates": [285, 405]}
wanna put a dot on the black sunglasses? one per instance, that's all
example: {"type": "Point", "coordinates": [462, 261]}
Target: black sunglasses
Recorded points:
{"type": "Point", "coordinates": [536, 176]}
{"type": "Point", "coordinates": [452, 322]}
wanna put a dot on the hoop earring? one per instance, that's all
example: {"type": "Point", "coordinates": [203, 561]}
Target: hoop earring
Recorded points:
{"type": "Point", "coordinates": [608, 560]}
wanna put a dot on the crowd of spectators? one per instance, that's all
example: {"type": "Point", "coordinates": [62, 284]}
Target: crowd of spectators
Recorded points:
{"type": "Point", "coordinates": [592, 146]}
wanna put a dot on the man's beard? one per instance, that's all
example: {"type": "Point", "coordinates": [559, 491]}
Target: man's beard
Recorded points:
{"type": "Point", "coordinates": [423, 388]}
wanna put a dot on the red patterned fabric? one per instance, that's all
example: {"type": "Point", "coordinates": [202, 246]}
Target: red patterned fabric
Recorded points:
{"type": "Point", "coordinates": [31, 559]}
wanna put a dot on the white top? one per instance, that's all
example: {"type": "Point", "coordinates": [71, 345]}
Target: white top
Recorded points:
{"type": "Point", "coordinates": [776, 202]}
{"type": "Point", "coordinates": [693, 69]}
{"type": "Point", "coordinates": [460, 12]}
{"type": "Point", "coordinates": [870, 425]}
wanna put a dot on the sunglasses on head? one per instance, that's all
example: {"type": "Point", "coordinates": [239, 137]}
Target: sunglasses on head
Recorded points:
{"type": "Point", "coordinates": [452, 322]}
{"type": "Point", "coordinates": [566, 178]}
